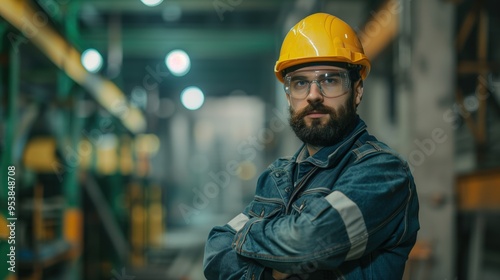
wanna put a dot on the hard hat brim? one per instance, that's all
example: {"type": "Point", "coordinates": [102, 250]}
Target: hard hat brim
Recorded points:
{"type": "Point", "coordinates": [281, 66]}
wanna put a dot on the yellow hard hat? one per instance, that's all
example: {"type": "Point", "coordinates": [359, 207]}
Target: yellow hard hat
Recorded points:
{"type": "Point", "coordinates": [321, 38]}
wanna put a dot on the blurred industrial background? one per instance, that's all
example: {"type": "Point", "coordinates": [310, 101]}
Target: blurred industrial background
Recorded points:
{"type": "Point", "coordinates": [129, 128]}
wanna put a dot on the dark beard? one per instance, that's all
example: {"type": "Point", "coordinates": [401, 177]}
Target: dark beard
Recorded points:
{"type": "Point", "coordinates": [341, 123]}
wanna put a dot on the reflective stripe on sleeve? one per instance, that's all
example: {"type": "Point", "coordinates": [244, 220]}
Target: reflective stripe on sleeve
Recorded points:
{"type": "Point", "coordinates": [238, 222]}
{"type": "Point", "coordinates": [354, 223]}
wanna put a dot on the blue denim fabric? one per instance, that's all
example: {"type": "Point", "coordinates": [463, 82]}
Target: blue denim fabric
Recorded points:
{"type": "Point", "coordinates": [350, 211]}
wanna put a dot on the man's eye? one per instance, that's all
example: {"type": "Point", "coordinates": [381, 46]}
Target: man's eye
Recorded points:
{"type": "Point", "coordinates": [330, 81]}
{"type": "Point", "coordinates": [300, 83]}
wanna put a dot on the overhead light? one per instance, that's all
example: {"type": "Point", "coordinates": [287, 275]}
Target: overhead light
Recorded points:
{"type": "Point", "coordinates": [192, 98]}
{"type": "Point", "coordinates": [178, 62]}
{"type": "Point", "coordinates": [151, 3]}
{"type": "Point", "coordinates": [91, 60]}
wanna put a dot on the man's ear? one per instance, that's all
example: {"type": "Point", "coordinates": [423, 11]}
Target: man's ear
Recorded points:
{"type": "Point", "coordinates": [358, 88]}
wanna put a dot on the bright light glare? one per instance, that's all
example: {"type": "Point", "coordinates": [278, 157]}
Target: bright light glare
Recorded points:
{"type": "Point", "coordinates": [151, 3]}
{"type": "Point", "coordinates": [192, 98]}
{"type": "Point", "coordinates": [91, 60]}
{"type": "Point", "coordinates": [178, 62]}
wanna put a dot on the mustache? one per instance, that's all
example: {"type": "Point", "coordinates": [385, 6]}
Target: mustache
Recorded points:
{"type": "Point", "coordinates": [316, 108]}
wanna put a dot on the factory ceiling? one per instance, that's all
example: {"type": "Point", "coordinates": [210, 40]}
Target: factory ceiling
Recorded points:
{"type": "Point", "coordinates": [232, 44]}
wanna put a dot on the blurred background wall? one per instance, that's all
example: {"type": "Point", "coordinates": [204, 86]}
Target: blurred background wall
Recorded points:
{"type": "Point", "coordinates": [129, 128]}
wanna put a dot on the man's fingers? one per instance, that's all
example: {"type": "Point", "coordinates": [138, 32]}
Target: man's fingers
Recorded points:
{"type": "Point", "coordinates": [279, 275]}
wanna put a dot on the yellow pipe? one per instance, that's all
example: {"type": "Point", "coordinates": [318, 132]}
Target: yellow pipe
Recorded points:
{"type": "Point", "coordinates": [381, 29]}
{"type": "Point", "coordinates": [35, 26]}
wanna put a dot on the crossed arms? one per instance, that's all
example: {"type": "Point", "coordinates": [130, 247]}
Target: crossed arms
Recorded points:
{"type": "Point", "coordinates": [344, 225]}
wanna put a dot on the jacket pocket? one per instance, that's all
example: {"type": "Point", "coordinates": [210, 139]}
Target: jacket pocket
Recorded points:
{"type": "Point", "coordinates": [258, 209]}
{"type": "Point", "coordinates": [298, 206]}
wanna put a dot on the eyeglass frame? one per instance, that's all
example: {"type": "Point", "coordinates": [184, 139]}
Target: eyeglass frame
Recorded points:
{"type": "Point", "coordinates": [345, 76]}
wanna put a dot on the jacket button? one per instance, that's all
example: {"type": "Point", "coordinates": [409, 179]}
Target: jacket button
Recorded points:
{"type": "Point", "coordinates": [277, 175]}
{"type": "Point", "coordinates": [287, 189]}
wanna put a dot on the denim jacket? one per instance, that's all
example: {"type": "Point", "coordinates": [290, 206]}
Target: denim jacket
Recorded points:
{"type": "Point", "coordinates": [350, 211]}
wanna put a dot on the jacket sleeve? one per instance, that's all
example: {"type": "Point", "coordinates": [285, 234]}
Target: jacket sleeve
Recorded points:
{"type": "Point", "coordinates": [369, 208]}
{"type": "Point", "coordinates": [221, 261]}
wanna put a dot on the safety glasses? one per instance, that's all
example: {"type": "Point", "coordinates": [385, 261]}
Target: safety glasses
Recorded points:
{"type": "Point", "coordinates": [332, 83]}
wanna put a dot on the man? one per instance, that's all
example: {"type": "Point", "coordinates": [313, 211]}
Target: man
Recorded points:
{"type": "Point", "coordinates": [345, 205]}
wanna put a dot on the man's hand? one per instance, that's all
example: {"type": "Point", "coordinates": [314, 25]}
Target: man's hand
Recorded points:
{"type": "Point", "coordinates": [279, 275]}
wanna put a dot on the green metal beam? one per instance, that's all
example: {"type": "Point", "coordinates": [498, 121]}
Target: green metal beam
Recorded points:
{"type": "Point", "coordinates": [71, 28]}
{"type": "Point", "coordinates": [155, 42]}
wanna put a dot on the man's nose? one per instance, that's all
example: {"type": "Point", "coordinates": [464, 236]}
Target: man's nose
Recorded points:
{"type": "Point", "coordinates": [314, 93]}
